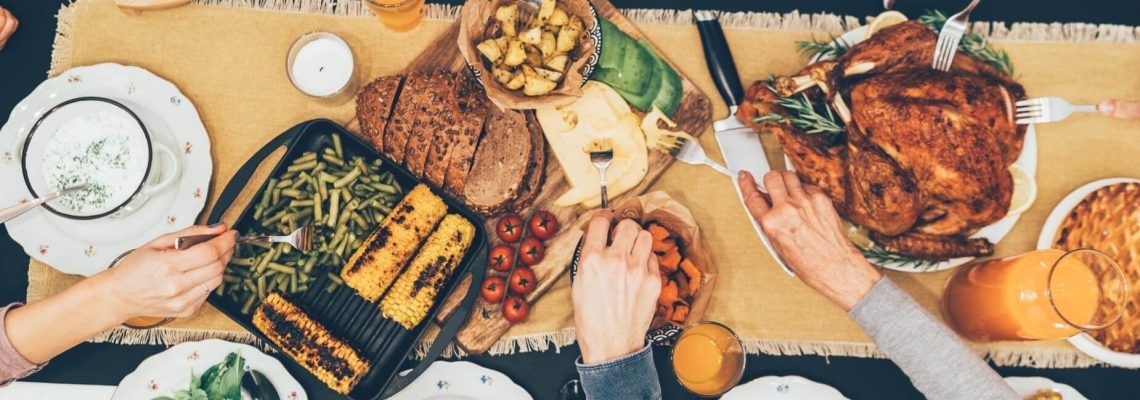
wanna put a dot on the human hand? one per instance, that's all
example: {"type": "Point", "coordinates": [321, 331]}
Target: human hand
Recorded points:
{"type": "Point", "coordinates": [156, 280]}
{"type": "Point", "coordinates": [8, 24]}
{"type": "Point", "coordinates": [1120, 108]}
{"type": "Point", "coordinates": [807, 233]}
{"type": "Point", "coordinates": [615, 291]}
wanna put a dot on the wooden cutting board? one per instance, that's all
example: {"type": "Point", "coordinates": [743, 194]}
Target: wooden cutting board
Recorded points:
{"type": "Point", "coordinates": [486, 324]}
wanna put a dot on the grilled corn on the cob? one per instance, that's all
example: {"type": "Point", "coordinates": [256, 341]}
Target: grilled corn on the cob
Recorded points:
{"type": "Point", "coordinates": [330, 359]}
{"type": "Point", "coordinates": [379, 260]}
{"type": "Point", "coordinates": [414, 293]}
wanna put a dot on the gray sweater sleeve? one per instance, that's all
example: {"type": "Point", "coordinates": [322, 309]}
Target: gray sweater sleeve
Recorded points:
{"type": "Point", "coordinates": [929, 353]}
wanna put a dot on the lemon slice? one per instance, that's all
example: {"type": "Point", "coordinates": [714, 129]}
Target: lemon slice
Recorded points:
{"type": "Point", "coordinates": [1024, 190]}
{"type": "Point", "coordinates": [884, 20]}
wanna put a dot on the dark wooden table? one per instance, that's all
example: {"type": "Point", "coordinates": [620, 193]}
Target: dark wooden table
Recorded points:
{"type": "Point", "coordinates": [24, 62]}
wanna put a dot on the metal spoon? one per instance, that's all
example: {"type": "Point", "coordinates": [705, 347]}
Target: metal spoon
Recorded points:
{"type": "Point", "coordinates": [19, 209]}
{"type": "Point", "coordinates": [258, 386]}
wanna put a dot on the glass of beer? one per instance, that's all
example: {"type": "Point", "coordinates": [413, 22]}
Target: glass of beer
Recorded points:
{"type": "Point", "coordinates": [398, 15]}
{"type": "Point", "coordinates": [1040, 295]}
{"type": "Point", "coordinates": [708, 359]}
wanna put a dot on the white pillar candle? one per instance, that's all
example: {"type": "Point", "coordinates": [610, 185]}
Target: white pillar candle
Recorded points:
{"type": "Point", "coordinates": [322, 66]}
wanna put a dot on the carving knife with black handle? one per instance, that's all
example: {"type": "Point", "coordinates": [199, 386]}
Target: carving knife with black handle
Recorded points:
{"type": "Point", "coordinates": [739, 144]}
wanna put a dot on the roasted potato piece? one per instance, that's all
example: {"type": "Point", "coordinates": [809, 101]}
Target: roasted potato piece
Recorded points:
{"type": "Point", "coordinates": [547, 9]}
{"type": "Point", "coordinates": [490, 50]}
{"type": "Point", "coordinates": [557, 63]}
{"type": "Point", "coordinates": [502, 75]}
{"type": "Point", "coordinates": [533, 56]}
{"type": "Point", "coordinates": [535, 85]}
{"type": "Point", "coordinates": [515, 54]}
{"type": "Point", "coordinates": [508, 16]}
{"type": "Point", "coordinates": [548, 74]}
{"type": "Point", "coordinates": [547, 44]}
{"type": "Point", "coordinates": [552, 29]}
{"type": "Point", "coordinates": [517, 81]}
{"type": "Point", "coordinates": [558, 18]}
{"type": "Point", "coordinates": [567, 38]}
{"type": "Point", "coordinates": [531, 36]}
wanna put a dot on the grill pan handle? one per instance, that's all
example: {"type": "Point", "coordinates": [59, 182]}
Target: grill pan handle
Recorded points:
{"type": "Point", "coordinates": [241, 178]}
{"type": "Point", "coordinates": [449, 329]}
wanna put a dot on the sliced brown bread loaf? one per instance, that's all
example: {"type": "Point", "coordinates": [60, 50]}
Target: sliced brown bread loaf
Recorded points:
{"type": "Point", "coordinates": [430, 121]}
{"type": "Point", "coordinates": [535, 169]}
{"type": "Point", "coordinates": [374, 107]}
{"type": "Point", "coordinates": [438, 157]}
{"type": "Point", "coordinates": [500, 162]}
{"type": "Point", "coordinates": [404, 114]}
{"type": "Point", "coordinates": [474, 113]}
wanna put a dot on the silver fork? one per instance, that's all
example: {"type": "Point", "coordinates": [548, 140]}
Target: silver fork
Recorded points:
{"type": "Point", "coordinates": [1047, 109]}
{"type": "Point", "coordinates": [691, 152]}
{"type": "Point", "coordinates": [950, 36]}
{"type": "Point", "coordinates": [601, 155]}
{"type": "Point", "coordinates": [301, 239]}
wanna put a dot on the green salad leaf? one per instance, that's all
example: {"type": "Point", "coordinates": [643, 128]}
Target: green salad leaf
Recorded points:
{"type": "Point", "coordinates": [221, 381]}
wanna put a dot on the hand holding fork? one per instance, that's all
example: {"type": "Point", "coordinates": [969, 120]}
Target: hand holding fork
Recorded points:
{"type": "Point", "coordinates": [1054, 109]}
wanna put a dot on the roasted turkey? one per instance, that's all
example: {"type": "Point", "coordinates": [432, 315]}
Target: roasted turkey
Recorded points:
{"type": "Point", "coordinates": [922, 160]}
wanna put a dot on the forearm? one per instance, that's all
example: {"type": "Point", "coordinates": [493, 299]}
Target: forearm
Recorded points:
{"type": "Point", "coordinates": [937, 362]}
{"type": "Point", "coordinates": [44, 329]}
{"type": "Point", "coordinates": [631, 377]}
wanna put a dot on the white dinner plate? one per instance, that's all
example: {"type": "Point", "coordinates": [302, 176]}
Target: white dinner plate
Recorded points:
{"type": "Point", "coordinates": [994, 232]}
{"type": "Point", "coordinates": [461, 380]}
{"type": "Point", "coordinates": [1025, 386]}
{"type": "Point", "coordinates": [1083, 341]}
{"type": "Point", "coordinates": [164, 373]}
{"type": "Point", "coordinates": [783, 388]}
{"type": "Point", "coordinates": [88, 247]}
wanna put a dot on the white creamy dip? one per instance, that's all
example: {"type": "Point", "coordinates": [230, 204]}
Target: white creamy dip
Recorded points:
{"type": "Point", "coordinates": [106, 150]}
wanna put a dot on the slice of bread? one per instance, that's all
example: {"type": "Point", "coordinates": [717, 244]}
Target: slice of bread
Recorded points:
{"type": "Point", "coordinates": [500, 163]}
{"type": "Point", "coordinates": [404, 114]}
{"type": "Point", "coordinates": [374, 107]}
{"type": "Point", "coordinates": [473, 113]}
{"type": "Point", "coordinates": [438, 157]}
{"type": "Point", "coordinates": [536, 168]}
{"type": "Point", "coordinates": [430, 121]}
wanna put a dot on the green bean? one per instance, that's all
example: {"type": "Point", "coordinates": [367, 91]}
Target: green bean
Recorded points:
{"type": "Point", "coordinates": [283, 248]}
{"type": "Point", "coordinates": [265, 196]}
{"type": "Point", "coordinates": [337, 146]}
{"type": "Point", "coordinates": [309, 156]}
{"type": "Point", "coordinates": [320, 167]}
{"type": "Point", "coordinates": [347, 179]}
{"type": "Point", "coordinates": [308, 165]}
{"type": "Point", "coordinates": [365, 179]}
{"type": "Point", "coordinates": [382, 187]}
{"type": "Point", "coordinates": [383, 208]}
{"type": "Point", "coordinates": [221, 289]}
{"type": "Point", "coordinates": [318, 213]}
{"type": "Point", "coordinates": [309, 263]}
{"type": "Point", "coordinates": [301, 203]}
{"type": "Point", "coordinates": [301, 181]}
{"type": "Point", "coordinates": [332, 159]}
{"type": "Point", "coordinates": [399, 188]}
{"type": "Point", "coordinates": [250, 285]}
{"type": "Point", "coordinates": [249, 299]}
{"type": "Point", "coordinates": [276, 196]}
{"type": "Point", "coordinates": [302, 287]}
{"type": "Point", "coordinates": [261, 287]}
{"type": "Point", "coordinates": [230, 279]}
{"type": "Point", "coordinates": [359, 220]}
{"type": "Point", "coordinates": [282, 268]}
{"type": "Point", "coordinates": [334, 208]}
{"type": "Point", "coordinates": [291, 193]}
{"type": "Point", "coordinates": [245, 262]}
{"type": "Point", "coordinates": [276, 217]}
{"type": "Point", "coordinates": [335, 278]}
{"type": "Point", "coordinates": [331, 287]}
{"type": "Point", "coordinates": [293, 283]}
{"type": "Point", "coordinates": [285, 183]}
{"type": "Point", "coordinates": [340, 249]}
{"type": "Point", "coordinates": [265, 260]}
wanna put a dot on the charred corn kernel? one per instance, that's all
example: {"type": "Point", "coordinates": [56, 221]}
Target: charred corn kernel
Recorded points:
{"type": "Point", "coordinates": [379, 260]}
{"type": "Point", "coordinates": [414, 293]}
{"type": "Point", "coordinates": [329, 358]}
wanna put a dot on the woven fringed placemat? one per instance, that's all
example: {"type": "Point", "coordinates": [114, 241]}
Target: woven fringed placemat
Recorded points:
{"type": "Point", "coordinates": [226, 56]}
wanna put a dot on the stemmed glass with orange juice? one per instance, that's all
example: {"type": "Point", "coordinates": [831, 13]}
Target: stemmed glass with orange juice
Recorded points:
{"type": "Point", "coordinates": [708, 359]}
{"type": "Point", "coordinates": [398, 15]}
{"type": "Point", "coordinates": [1041, 295]}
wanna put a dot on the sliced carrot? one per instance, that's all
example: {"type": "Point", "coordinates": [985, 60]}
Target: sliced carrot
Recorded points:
{"type": "Point", "coordinates": [683, 289]}
{"type": "Point", "coordinates": [661, 311]}
{"type": "Point", "coordinates": [693, 273]}
{"type": "Point", "coordinates": [664, 245]}
{"type": "Point", "coordinates": [670, 260]}
{"type": "Point", "coordinates": [659, 232]}
{"type": "Point", "coordinates": [680, 313]}
{"type": "Point", "coordinates": [664, 279]}
{"type": "Point", "coordinates": [668, 294]}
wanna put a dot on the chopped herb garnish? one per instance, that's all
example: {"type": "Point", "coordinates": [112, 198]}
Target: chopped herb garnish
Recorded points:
{"type": "Point", "coordinates": [815, 48]}
{"type": "Point", "coordinates": [972, 43]}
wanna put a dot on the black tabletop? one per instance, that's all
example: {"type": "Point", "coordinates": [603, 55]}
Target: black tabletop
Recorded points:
{"type": "Point", "coordinates": [24, 62]}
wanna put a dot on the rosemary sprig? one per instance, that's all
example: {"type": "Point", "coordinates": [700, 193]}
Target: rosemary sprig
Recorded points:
{"type": "Point", "coordinates": [816, 48]}
{"type": "Point", "coordinates": [972, 43]}
{"type": "Point", "coordinates": [876, 255]}
{"type": "Point", "coordinates": [805, 116]}
{"type": "Point", "coordinates": [770, 117]}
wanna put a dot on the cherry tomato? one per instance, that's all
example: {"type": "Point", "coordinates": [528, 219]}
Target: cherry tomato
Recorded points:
{"type": "Point", "coordinates": [543, 225]}
{"type": "Point", "coordinates": [493, 290]}
{"type": "Point", "coordinates": [501, 258]}
{"type": "Point", "coordinates": [523, 280]}
{"type": "Point", "coordinates": [516, 309]}
{"type": "Point", "coordinates": [509, 228]}
{"type": "Point", "coordinates": [531, 251]}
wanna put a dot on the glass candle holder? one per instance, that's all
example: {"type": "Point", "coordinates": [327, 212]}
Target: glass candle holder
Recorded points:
{"type": "Point", "coordinates": [322, 65]}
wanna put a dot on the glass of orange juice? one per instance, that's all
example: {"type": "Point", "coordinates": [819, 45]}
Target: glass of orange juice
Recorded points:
{"type": "Point", "coordinates": [398, 15]}
{"type": "Point", "coordinates": [1040, 295]}
{"type": "Point", "coordinates": [140, 322]}
{"type": "Point", "coordinates": [708, 359]}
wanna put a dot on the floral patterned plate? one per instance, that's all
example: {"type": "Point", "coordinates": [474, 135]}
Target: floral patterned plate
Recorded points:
{"type": "Point", "coordinates": [461, 380]}
{"type": "Point", "coordinates": [166, 372]}
{"type": "Point", "coordinates": [783, 388]}
{"type": "Point", "coordinates": [1027, 386]}
{"type": "Point", "coordinates": [88, 247]}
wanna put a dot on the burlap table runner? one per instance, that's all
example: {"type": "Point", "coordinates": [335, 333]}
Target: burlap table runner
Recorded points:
{"type": "Point", "coordinates": [228, 56]}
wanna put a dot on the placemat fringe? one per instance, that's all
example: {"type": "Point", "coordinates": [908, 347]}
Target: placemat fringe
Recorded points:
{"type": "Point", "coordinates": [511, 345]}
{"type": "Point", "coordinates": [172, 336]}
{"type": "Point", "coordinates": [1041, 358]}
